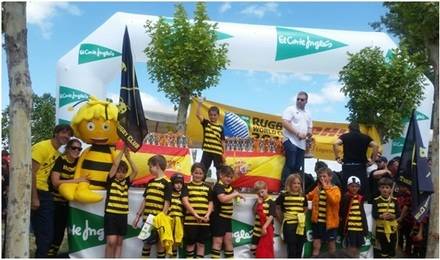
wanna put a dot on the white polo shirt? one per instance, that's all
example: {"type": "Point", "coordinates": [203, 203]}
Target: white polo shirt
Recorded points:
{"type": "Point", "coordinates": [301, 121]}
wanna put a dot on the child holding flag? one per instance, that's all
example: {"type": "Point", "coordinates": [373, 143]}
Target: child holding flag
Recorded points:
{"type": "Point", "coordinates": [116, 204]}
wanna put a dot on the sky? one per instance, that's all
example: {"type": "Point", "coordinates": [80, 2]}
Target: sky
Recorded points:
{"type": "Point", "coordinates": [54, 28]}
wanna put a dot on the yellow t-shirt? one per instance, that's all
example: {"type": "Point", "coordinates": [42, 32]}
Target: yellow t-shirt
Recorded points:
{"type": "Point", "coordinates": [45, 154]}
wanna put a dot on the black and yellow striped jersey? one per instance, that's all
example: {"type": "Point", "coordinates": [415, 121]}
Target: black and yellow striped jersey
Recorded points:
{"type": "Point", "coordinates": [156, 193]}
{"type": "Point", "coordinates": [385, 205]}
{"type": "Point", "coordinates": [176, 208]}
{"type": "Point", "coordinates": [269, 210]}
{"type": "Point", "coordinates": [213, 136]}
{"type": "Point", "coordinates": [117, 195]}
{"type": "Point", "coordinates": [322, 206]}
{"type": "Point", "coordinates": [224, 210]}
{"type": "Point", "coordinates": [291, 204]}
{"type": "Point", "coordinates": [199, 195]}
{"type": "Point", "coordinates": [66, 169]}
{"type": "Point", "coordinates": [354, 221]}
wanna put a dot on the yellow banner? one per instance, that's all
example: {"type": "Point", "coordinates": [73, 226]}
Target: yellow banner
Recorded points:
{"type": "Point", "coordinates": [262, 125]}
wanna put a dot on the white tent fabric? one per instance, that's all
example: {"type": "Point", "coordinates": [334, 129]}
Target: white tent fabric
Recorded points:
{"type": "Point", "coordinates": [94, 62]}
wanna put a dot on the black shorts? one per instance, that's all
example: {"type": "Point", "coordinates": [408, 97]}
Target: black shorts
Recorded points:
{"type": "Point", "coordinates": [320, 231]}
{"type": "Point", "coordinates": [220, 226]}
{"type": "Point", "coordinates": [354, 238]}
{"type": "Point", "coordinates": [196, 234]}
{"type": "Point", "coordinates": [255, 240]}
{"type": "Point", "coordinates": [115, 224]}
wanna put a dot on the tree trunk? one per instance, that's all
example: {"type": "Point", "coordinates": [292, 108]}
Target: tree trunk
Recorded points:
{"type": "Point", "coordinates": [182, 113]}
{"type": "Point", "coordinates": [20, 107]}
{"type": "Point", "coordinates": [433, 235]}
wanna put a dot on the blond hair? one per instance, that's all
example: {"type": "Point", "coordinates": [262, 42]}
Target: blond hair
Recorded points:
{"type": "Point", "coordinates": [290, 180]}
{"type": "Point", "coordinates": [94, 108]}
{"type": "Point", "coordinates": [259, 185]}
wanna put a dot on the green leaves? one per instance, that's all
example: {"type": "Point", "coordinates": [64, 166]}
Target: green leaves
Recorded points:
{"type": "Point", "coordinates": [183, 56]}
{"type": "Point", "coordinates": [42, 119]}
{"type": "Point", "coordinates": [382, 93]}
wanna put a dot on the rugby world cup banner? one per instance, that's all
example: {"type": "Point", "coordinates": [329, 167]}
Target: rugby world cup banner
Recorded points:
{"type": "Point", "coordinates": [178, 160]}
{"type": "Point", "coordinates": [239, 122]}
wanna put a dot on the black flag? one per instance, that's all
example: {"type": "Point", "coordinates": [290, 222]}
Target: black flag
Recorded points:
{"type": "Point", "coordinates": [415, 172]}
{"type": "Point", "coordinates": [132, 125]}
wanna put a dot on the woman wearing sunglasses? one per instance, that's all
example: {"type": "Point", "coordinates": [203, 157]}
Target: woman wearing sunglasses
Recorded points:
{"type": "Point", "coordinates": [62, 172]}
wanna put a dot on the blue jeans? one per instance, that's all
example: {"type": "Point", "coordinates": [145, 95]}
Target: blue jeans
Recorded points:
{"type": "Point", "coordinates": [42, 221]}
{"type": "Point", "coordinates": [294, 161]}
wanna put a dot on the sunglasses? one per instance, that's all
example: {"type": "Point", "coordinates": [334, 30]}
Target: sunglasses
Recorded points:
{"type": "Point", "coordinates": [301, 99]}
{"type": "Point", "coordinates": [76, 148]}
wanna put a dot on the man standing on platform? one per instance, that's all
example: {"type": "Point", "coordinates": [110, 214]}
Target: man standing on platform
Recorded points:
{"type": "Point", "coordinates": [354, 163]}
{"type": "Point", "coordinates": [297, 126]}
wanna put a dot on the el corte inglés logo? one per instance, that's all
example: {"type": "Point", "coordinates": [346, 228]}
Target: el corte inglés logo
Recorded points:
{"type": "Point", "coordinates": [293, 43]}
{"type": "Point", "coordinates": [91, 52]}
{"type": "Point", "coordinates": [70, 95]}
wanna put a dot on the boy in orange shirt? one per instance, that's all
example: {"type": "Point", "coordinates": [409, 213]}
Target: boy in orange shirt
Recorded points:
{"type": "Point", "coordinates": [325, 199]}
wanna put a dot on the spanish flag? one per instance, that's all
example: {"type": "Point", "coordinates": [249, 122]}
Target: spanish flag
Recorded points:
{"type": "Point", "coordinates": [178, 161]}
{"type": "Point", "coordinates": [250, 167]}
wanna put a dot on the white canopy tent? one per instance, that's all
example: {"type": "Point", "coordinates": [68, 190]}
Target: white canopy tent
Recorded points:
{"type": "Point", "coordinates": [92, 64]}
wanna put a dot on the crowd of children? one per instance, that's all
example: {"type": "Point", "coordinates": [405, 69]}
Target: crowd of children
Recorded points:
{"type": "Point", "coordinates": [201, 213]}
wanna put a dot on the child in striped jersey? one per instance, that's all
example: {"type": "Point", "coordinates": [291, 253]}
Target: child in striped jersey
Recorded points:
{"type": "Point", "coordinates": [353, 223]}
{"type": "Point", "coordinates": [213, 138]}
{"type": "Point", "coordinates": [385, 212]}
{"type": "Point", "coordinates": [197, 199]}
{"type": "Point", "coordinates": [293, 204]}
{"type": "Point", "coordinates": [176, 210]}
{"type": "Point", "coordinates": [221, 222]}
{"type": "Point", "coordinates": [157, 199]}
{"type": "Point", "coordinates": [116, 204]}
{"type": "Point", "coordinates": [268, 206]}
{"type": "Point", "coordinates": [325, 199]}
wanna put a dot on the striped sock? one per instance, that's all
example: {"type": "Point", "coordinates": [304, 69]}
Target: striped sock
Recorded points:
{"type": "Point", "coordinates": [53, 251]}
{"type": "Point", "coordinates": [200, 256]}
{"type": "Point", "coordinates": [189, 254]}
{"type": "Point", "coordinates": [253, 250]}
{"type": "Point", "coordinates": [215, 253]}
{"type": "Point", "coordinates": [145, 252]}
{"type": "Point", "coordinates": [161, 254]}
{"type": "Point", "coordinates": [229, 254]}
{"type": "Point", "coordinates": [174, 255]}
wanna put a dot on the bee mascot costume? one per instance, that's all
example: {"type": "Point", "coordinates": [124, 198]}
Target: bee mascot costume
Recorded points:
{"type": "Point", "coordinates": [95, 123]}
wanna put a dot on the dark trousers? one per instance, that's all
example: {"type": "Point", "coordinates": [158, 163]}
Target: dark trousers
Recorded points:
{"type": "Point", "coordinates": [208, 158]}
{"type": "Point", "coordinates": [387, 249]}
{"type": "Point", "coordinates": [360, 171]}
{"type": "Point", "coordinates": [60, 223]}
{"type": "Point", "coordinates": [42, 224]}
{"type": "Point", "coordinates": [294, 242]}
{"type": "Point", "coordinates": [294, 161]}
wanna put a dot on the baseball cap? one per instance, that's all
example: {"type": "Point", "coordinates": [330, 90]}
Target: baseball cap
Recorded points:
{"type": "Point", "coordinates": [353, 179]}
{"type": "Point", "coordinates": [177, 178]}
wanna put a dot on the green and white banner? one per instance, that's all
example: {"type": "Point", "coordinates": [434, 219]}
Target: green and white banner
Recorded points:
{"type": "Point", "coordinates": [87, 240]}
{"type": "Point", "coordinates": [94, 62]}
